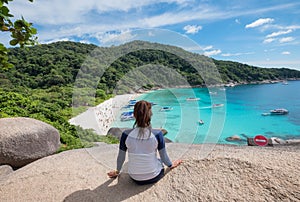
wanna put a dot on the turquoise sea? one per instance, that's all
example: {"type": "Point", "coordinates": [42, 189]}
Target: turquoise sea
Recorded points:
{"type": "Point", "coordinates": [241, 113]}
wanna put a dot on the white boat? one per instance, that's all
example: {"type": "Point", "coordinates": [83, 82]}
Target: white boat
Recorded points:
{"type": "Point", "coordinates": [127, 116]}
{"type": "Point", "coordinates": [217, 105]}
{"type": "Point", "coordinates": [201, 122]}
{"type": "Point", "coordinates": [132, 103]}
{"type": "Point", "coordinates": [192, 99]}
{"type": "Point", "coordinates": [279, 111]}
{"type": "Point", "coordinates": [166, 108]}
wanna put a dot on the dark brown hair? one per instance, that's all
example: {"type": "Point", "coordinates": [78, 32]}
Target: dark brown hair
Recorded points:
{"type": "Point", "coordinates": [142, 113]}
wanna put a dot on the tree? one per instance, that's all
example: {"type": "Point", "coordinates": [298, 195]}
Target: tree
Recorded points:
{"type": "Point", "coordinates": [22, 32]}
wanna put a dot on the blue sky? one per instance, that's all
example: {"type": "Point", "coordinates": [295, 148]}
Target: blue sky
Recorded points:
{"type": "Point", "coordinates": [255, 32]}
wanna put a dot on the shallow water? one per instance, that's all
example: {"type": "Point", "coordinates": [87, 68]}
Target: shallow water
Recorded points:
{"type": "Point", "coordinates": [241, 114]}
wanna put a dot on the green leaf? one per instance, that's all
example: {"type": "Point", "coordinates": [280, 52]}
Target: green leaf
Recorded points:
{"type": "Point", "coordinates": [33, 30]}
{"type": "Point", "coordinates": [14, 42]}
{"type": "Point", "coordinates": [4, 10]}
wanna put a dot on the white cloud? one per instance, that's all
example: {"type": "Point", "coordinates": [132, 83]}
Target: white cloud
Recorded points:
{"type": "Point", "coordinates": [236, 54]}
{"type": "Point", "coordinates": [286, 39]}
{"type": "Point", "coordinates": [285, 53]}
{"type": "Point", "coordinates": [274, 34]}
{"type": "Point", "coordinates": [151, 34]}
{"type": "Point", "coordinates": [192, 29]}
{"type": "Point", "coordinates": [56, 12]}
{"type": "Point", "coordinates": [259, 22]}
{"type": "Point", "coordinates": [237, 21]}
{"type": "Point", "coordinates": [108, 38]}
{"type": "Point", "coordinates": [275, 63]}
{"type": "Point", "coordinates": [293, 27]}
{"type": "Point", "coordinates": [55, 40]}
{"type": "Point", "coordinates": [207, 48]}
{"type": "Point", "coordinates": [269, 40]}
{"type": "Point", "coordinates": [212, 52]}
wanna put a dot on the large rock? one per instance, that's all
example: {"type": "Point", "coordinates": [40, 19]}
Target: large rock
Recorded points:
{"type": "Point", "coordinates": [116, 132]}
{"type": "Point", "coordinates": [24, 140]}
{"type": "Point", "coordinates": [238, 173]}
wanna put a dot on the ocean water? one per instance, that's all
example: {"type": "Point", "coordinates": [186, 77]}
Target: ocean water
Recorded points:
{"type": "Point", "coordinates": [241, 113]}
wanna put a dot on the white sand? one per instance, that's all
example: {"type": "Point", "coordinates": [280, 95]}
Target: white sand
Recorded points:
{"type": "Point", "coordinates": [101, 117]}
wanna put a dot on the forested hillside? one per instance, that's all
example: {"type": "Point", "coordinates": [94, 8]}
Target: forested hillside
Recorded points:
{"type": "Point", "coordinates": [57, 64]}
{"type": "Point", "coordinates": [41, 83]}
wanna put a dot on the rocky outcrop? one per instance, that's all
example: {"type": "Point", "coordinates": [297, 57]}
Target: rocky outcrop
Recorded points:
{"type": "Point", "coordinates": [24, 140]}
{"type": "Point", "coordinates": [236, 139]}
{"type": "Point", "coordinates": [251, 173]}
{"type": "Point", "coordinates": [116, 132]}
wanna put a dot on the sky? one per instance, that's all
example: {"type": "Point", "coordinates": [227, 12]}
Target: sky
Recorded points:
{"type": "Point", "coordinates": [254, 32]}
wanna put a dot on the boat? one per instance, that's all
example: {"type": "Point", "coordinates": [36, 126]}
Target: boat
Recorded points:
{"type": "Point", "coordinates": [132, 102]}
{"type": "Point", "coordinates": [279, 111]}
{"type": "Point", "coordinates": [217, 105]}
{"type": "Point", "coordinates": [192, 99]}
{"type": "Point", "coordinates": [166, 108]}
{"type": "Point", "coordinates": [285, 83]}
{"type": "Point", "coordinates": [201, 122]}
{"type": "Point", "coordinates": [127, 116]}
{"type": "Point", "coordinates": [127, 106]}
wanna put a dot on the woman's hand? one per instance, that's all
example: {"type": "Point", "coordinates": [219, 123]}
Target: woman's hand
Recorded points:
{"type": "Point", "coordinates": [113, 174]}
{"type": "Point", "coordinates": [176, 163]}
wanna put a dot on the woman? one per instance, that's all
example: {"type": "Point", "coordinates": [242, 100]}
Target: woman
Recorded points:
{"type": "Point", "coordinates": [142, 143]}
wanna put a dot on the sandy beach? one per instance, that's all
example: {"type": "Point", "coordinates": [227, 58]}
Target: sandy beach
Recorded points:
{"type": "Point", "coordinates": [100, 118]}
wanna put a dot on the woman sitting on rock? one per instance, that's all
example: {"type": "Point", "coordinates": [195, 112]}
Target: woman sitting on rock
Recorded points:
{"type": "Point", "coordinates": [142, 143]}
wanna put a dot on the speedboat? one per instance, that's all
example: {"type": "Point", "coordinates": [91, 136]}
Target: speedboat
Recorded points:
{"type": "Point", "coordinates": [201, 122]}
{"type": "Point", "coordinates": [217, 105]}
{"type": "Point", "coordinates": [279, 111]}
{"type": "Point", "coordinates": [192, 99]}
{"type": "Point", "coordinates": [166, 108]}
{"type": "Point", "coordinates": [127, 116]}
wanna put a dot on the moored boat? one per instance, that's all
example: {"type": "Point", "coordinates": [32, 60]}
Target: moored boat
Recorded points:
{"type": "Point", "coordinates": [279, 111]}
{"type": "Point", "coordinates": [201, 122]}
{"type": "Point", "coordinates": [166, 108]}
{"type": "Point", "coordinates": [192, 99]}
{"type": "Point", "coordinates": [127, 116]}
{"type": "Point", "coordinates": [217, 105]}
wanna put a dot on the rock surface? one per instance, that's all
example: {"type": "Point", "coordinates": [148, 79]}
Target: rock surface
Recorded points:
{"type": "Point", "coordinates": [24, 140]}
{"type": "Point", "coordinates": [228, 173]}
{"type": "Point", "coordinates": [5, 170]}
